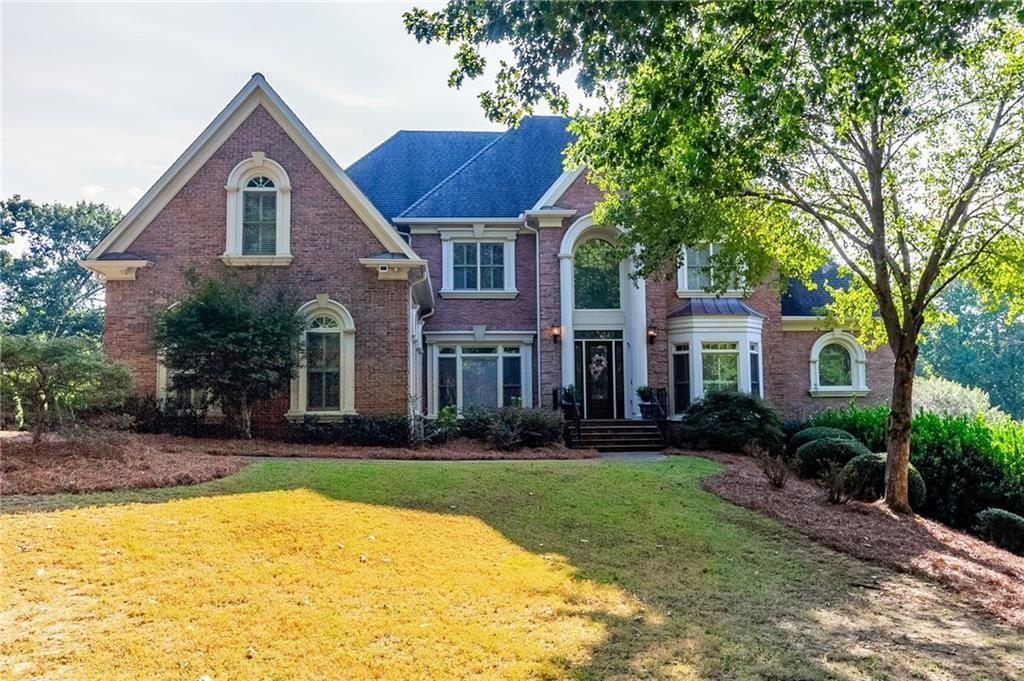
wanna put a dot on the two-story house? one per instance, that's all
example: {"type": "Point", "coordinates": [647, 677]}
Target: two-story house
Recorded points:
{"type": "Point", "coordinates": [455, 268]}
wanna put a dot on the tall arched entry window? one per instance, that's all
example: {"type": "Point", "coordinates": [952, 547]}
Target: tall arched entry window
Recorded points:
{"type": "Point", "coordinates": [603, 322]}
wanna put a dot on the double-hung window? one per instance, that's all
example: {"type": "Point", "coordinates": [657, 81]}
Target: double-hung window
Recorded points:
{"type": "Point", "coordinates": [483, 377]}
{"type": "Point", "coordinates": [323, 365]}
{"type": "Point", "coordinates": [696, 272]}
{"type": "Point", "coordinates": [478, 266]}
{"type": "Point", "coordinates": [720, 367]}
{"type": "Point", "coordinates": [259, 217]}
{"type": "Point", "coordinates": [755, 369]}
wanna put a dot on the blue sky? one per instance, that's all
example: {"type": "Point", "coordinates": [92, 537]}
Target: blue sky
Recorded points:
{"type": "Point", "coordinates": [99, 99]}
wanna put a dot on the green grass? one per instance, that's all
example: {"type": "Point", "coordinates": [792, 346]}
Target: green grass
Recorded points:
{"type": "Point", "coordinates": [738, 595]}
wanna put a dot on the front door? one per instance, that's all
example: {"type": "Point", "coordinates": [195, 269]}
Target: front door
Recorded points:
{"type": "Point", "coordinates": [599, 379]}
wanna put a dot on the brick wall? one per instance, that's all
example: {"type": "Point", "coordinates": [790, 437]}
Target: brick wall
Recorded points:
{"type": "Point", "coordinates": [327, 238]}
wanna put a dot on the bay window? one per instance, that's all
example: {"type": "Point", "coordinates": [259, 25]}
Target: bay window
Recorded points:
{"type": "Point", "coordinates": [720, 367]}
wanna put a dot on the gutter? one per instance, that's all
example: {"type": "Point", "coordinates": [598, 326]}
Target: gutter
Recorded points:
{"type": "Point", "coordinates": [536, 275]}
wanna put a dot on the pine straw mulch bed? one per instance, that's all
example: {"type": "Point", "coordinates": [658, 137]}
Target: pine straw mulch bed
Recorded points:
{"type": "Point", "coordinates": [95, 462]}
{"type": "Point", "coordinates": [455, 450]}
{"type": "Point", "coordinates": [108, 460]}
{"type": "Point", "coordinates": [986, 575]}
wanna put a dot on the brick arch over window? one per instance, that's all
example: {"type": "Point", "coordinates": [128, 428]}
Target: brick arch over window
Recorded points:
{"type": "Point", "coordinates": [261, 177]}
{"type": "Point", "coordinates": [328, 322]}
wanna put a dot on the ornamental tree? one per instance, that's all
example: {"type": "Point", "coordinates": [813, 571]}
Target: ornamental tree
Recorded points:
{"type": "Point", "coordinates": [53, 379]}
{"type": "Point", "coordinates": [888, 136]}
{"type": "Point", "coordinates": [232, 340]}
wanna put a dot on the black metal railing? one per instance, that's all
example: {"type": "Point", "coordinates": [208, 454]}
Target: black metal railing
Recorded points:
{"type": "Point", "coordinates": [568, 403]}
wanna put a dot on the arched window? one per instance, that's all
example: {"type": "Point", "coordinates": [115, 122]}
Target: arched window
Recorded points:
{"type": "Point", "coordinates": [258, 213]}
{"type": "Point", "coordinates": [597, 276]}
{"type": "Point", "coordinates": [838, 366]}
{"type": "Point", "coordinates": [325, 384]}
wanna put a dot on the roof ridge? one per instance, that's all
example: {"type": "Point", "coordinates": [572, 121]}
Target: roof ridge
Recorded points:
{"type": "Point", "coordinates": [453, 173]}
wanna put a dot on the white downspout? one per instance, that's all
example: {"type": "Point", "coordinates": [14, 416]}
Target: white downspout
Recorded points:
{"type": "Point", "coordinates": [539, 338]}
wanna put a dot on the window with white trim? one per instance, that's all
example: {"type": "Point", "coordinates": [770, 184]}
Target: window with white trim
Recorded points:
{"type": "Point", "coordinates": [324, 385]}
{"type": "Point", "coordinates": [478, 266]}
{"type": "Point", "coordinates": [258, 213]}
{"type": "Point", "coordinates": [755, 369]}
{"type": "Point", "coordinates": [696, 273]}
{"type": "Point", "coordinates": [720, 367]}
{"type": "Point", "coordinates": [681, 387]}
{"type": "Point", "coordinates": [479, 376]}
{"type": "Point", "coordinates": [838, 366]}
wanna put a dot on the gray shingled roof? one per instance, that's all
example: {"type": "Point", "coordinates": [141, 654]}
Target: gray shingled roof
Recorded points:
{"type": "Point", "coordinates": [713, 306]}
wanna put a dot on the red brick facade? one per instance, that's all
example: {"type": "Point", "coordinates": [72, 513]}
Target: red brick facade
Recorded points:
{"type": "Point", "coordinates": [328, 238]}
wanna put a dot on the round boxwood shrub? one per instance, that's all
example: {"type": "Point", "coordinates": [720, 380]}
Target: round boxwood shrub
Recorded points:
{"type": "Point", "coordinates": [802, 437]}
{"type": "Point", "coordinates": [863, 478]}
{"type": "Point", "coordinates": [811, 457]}
{"type": "Point", "coordinates": [730, 422]}
{"type": "Point", "coordinates": [1002, 528]}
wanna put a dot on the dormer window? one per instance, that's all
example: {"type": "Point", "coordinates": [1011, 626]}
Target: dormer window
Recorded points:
{"type": "Point", "coordinates": [258, 213]}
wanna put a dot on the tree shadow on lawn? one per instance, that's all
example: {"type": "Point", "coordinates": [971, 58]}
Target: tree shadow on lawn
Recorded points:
{"type": "Point", "coordinates": [728, 593]}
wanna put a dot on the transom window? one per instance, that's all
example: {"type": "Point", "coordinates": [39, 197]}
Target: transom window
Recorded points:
{"type": "Point", "coordinates": [323, 364]}
{"type": "Point", "coordinates": [597, 276]}
{"type": "Point", "coordinates": [720, 366]}
{"type": "Point", "coordinates": [478, 266]}
{"type": "Point", "coordinates": [484, 377]}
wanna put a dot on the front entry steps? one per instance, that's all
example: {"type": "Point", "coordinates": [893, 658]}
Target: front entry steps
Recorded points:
{"type": "Point", "coordinates": [618, 435]}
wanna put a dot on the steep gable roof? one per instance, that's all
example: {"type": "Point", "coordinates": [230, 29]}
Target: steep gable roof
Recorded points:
{"type": "Point", "coordinates": [504, 178]}
{"type": "Point", "coordinates": [799, 301]}
{"type": "Point", "coordinates": [412, 162]}
{"type": "Point", "coordinates": [257, 92]}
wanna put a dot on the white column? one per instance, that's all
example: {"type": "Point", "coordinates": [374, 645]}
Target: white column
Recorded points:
{"type": "Point", "coordinates": [566, 302]}
{"type": "Point", "coordinates": [636, 342]}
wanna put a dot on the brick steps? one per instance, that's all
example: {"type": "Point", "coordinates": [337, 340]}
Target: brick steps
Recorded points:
{"type": "Point", "coordinates": [619, 435]}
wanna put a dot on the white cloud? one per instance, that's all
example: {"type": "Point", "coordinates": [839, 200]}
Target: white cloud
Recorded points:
{"type": "Point", "coordinates": [92, 191]}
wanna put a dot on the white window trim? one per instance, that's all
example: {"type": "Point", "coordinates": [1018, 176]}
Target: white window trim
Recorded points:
{"type": "Point", "coordinates": [858, 366]}
{"type": "Point", "coordinates": [257, 164]}
{"type": "Point", "coordinates": [524, 344]}
{"type": "Point", "coordinates": [683, 289]}
{"type": "Point", "coordinates": [478, 234]}
{"type": "Point", "coordinates": [323, 306]}
{"type": "Point", "coordinates": [701, 330]}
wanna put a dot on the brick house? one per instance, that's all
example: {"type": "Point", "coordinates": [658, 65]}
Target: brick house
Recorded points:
{"type": "Point", "coordinates": [454, 268]}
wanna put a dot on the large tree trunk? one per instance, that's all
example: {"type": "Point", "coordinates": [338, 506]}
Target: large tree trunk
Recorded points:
{"type": "Point", "coordinates": [245, 418]}
{"type": "Point", "coordinates": [898, 431]}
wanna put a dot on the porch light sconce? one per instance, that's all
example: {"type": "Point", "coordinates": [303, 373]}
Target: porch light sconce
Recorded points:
{"type": "Point", "coordinates": [556, 333]}
{"type": "Point", "coordinates": [651, 335]}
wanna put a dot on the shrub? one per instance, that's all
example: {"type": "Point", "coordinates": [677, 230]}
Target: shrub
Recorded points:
{"type": "Point", "coordinates": [730, 422]}
{"type": "Point", "coordinates": [863, 478]}
{"type": "Point", "coordinates": [506, 434]}
{"type": "Point", "coordinates": [960, 462]}
{"type": "Point", "coordinates": [54, 379]}
{"type": "Point", "coordinates": [774, 466]}
{"type": "Point", "coordinates": [949, 398]}
{"type": "Point", "coordinates": [816, 433]}
{"type": "Point", "coordinates": [867, 424]}
{"type": "Point", "coordinates": [1002, 528]}
{"type": "Point", "coordinates": [791, 427]}
{"type": "Point", "coordinates": [476, 423]}
{"type": "Point", "coordinates": [540, 427]}
{"type": "Point", "coordinates": [444, 428]}
{"type": "Point", "coordinates": [831, 480]}
{"type": "Point", "coordinates": [356, 431]}
{"type": "Point", "coordinates": [812, 456]}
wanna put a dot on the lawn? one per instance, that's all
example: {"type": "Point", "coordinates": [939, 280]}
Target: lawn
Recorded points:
{"type": "Point", "coordinates": [512, 569]}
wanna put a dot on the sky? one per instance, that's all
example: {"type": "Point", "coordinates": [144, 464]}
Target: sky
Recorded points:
{"type": "Point", "coordinates": [98, 100]}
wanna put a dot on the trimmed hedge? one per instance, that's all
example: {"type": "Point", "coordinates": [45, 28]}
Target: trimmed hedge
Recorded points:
{"type": "Point", "coordinates": [514, 428]}
{"type": "Point", "coordinates": [729, 422]}
{"type": "Point", "coordinates": [1002, 528]}
{"type": "Point", "coordinates": [357, 431]}
{"type": "Point", "coordinates": [867, 424]}
{"type": "Point", "coordinates": [811, 456]}
{"type": "Point", "coordinates": [802, 437]}
{"type": "Point", "coordinates": [863, 478]}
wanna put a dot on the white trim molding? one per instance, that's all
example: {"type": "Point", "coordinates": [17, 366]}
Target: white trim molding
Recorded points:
{"type": "Point", "coordinates": [479, 337]}
{"type": "Point", "coordinates": [802, 323]}
{"type": "Point", "coordinates": [858, 366]}
{"type": "Point", "coordinates": [478, 233]}
{"type": "Point", "coordinates": [322, 305]}
{"type": "Point", "coordinates": [256, 93]}
{"type": "Point", "coordinates": [115, 270]}
{"type": "Point", "coordinates": [257, 165]}
{"type": "Point", "coordinates": [558, 188]}
{"type": "Point", "coordinates": [392, 268]}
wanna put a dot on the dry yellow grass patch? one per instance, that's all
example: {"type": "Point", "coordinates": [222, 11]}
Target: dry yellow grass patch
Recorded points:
{"type": "Point", "coordinates": [286, 584]}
